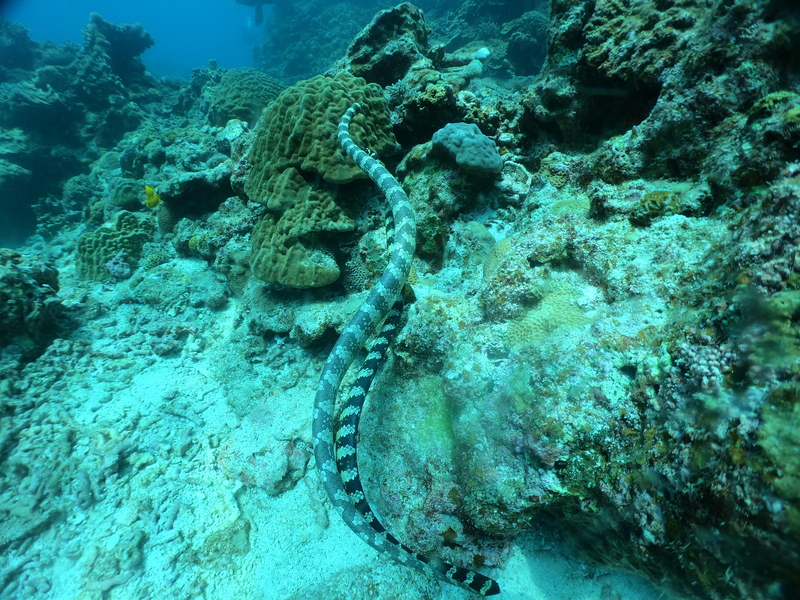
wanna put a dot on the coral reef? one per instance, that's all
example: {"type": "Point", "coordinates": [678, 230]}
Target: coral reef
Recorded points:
{"type": "Point", "coordinates": [598, 363]}
{"type": "Point", "coordinates": [385, 50]}
{"type": "Point", "coordinates": [17, 50]}
{"type": "Point", "coordinates": [327, 29]}
{"type": "Point", "coordinates": [64, 104]}
{"type": "Point", "coordinates": [473, 152]}
{"type": "Point", "coordinates": [423, 80]}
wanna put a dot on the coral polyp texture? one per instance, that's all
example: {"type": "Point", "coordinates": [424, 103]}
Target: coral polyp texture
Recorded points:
{"type": "Point", "coordinates": [297, 169]}
{"type": "Point", "coordinates": [241, 94]}
{"type": "Point", "coordinates": [109, 245]}
{"type": "Point", "coordinates": [299, 130]}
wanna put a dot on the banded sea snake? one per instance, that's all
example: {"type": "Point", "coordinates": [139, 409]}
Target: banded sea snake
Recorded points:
{"type": "Point", "coordinates": [344, 487]}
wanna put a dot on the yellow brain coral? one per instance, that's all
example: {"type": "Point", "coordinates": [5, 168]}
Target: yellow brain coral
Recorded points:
{"type": "Point", "coordinates": [299, 130]}
{"type": "Point", "coordinates": [297, 169]}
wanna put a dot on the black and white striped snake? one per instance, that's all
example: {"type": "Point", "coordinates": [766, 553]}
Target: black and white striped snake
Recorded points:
{"type": "Point", "coordinates": [336, 459]}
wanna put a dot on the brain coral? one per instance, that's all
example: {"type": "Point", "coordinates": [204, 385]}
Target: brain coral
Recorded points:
{"type": "Point", "coordinates": [241, 94]}
{"type": "Point", "coordinates": [97, 248]}
{"type": "Point", "coordinates": [280, 254]}
{"type": "Point", "coordinates": [297, 166]}
{"type": "Point", "coordinates": [299, 130]}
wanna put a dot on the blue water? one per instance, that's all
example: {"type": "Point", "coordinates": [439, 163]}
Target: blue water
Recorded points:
{"type": "Point", "coordinates": [187, 34]}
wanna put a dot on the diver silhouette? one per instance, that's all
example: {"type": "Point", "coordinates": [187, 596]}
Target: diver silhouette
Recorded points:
{"type": "Point", "coordinates": [259, 10]}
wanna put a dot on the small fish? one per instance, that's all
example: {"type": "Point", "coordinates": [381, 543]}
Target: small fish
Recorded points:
{"type": "Point", "coordinates": [151, 199]}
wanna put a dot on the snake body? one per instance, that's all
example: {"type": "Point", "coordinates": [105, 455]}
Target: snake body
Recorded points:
{"type": "Point", "coordinates": [344, 488]}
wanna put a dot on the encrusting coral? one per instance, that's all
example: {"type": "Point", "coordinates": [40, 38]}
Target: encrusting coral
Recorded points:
{"type": "Point", "coordinates": [98, 248]}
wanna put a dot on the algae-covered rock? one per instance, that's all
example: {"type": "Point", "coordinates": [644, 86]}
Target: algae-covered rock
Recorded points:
{"type": "Point", "coordinates": [386, 49]}
{"type": "Point", "coordinates": [28, 302]}
{"type": "Point", "coordinates": [779, 436]}
{"type": "Point", "coordinates": [180, 282]}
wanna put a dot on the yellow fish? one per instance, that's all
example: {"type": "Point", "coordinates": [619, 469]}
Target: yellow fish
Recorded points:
{"type": "Point", "coordinates": [151, 199]}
